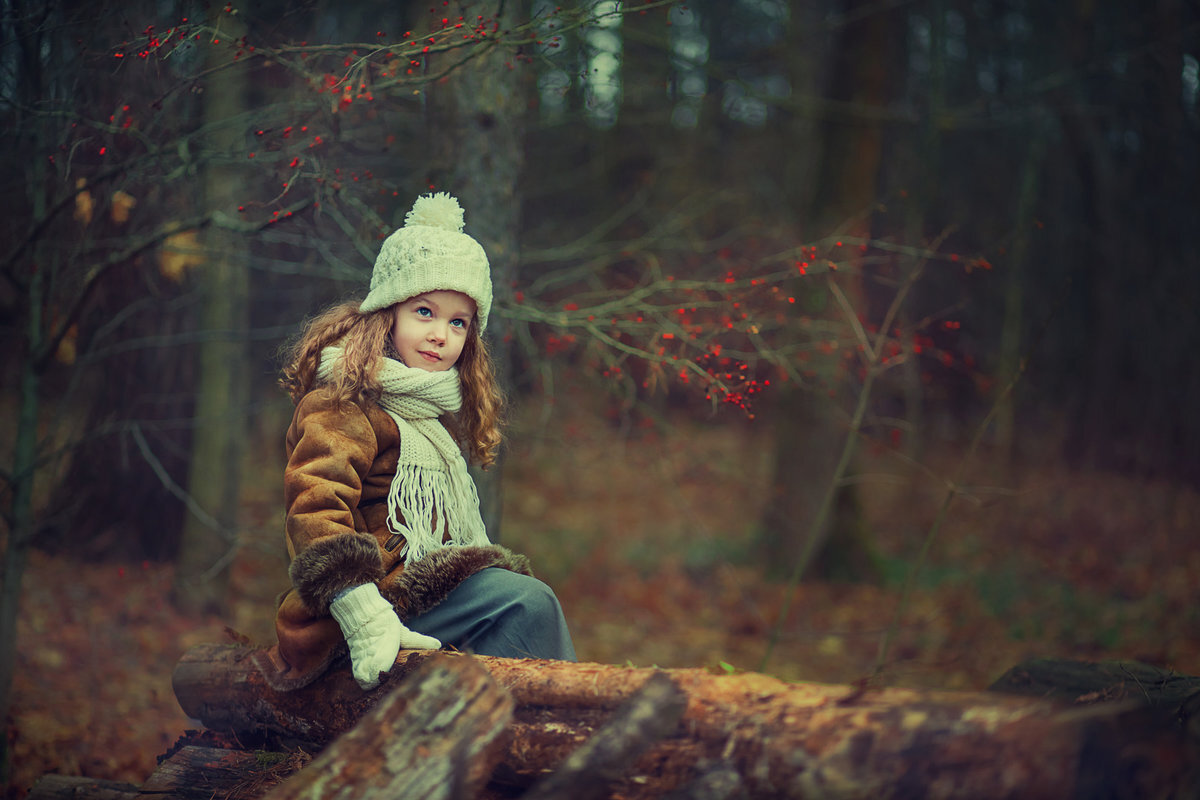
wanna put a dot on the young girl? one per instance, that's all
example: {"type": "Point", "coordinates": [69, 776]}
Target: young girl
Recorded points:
{"type": "Point", "coordinates": [383, 528]}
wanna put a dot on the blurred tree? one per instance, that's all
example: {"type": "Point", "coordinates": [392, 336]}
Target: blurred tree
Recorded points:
{"type": "Point", "coordinates": [922, 183]}
{"type": "Point", "coordinates": [24, 292]}
{"type": "Point", "coordinates": [209, 537]}
{"type": "Point", "coordinates": [480, 113]}
{"type": "Point", "coordinates": [812, 520]}
{"type": "Point", "coordinates": [74, 242]}
{"type": "Point", "coordinates": [1133, 170]}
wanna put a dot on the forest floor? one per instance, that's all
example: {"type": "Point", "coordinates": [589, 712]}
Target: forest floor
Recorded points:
{"type": "Point", "coordinates": [648, 538]}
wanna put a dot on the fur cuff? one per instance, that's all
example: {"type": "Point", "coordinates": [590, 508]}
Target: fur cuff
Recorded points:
{"type": "Point", "coordinates": [425, 583]}
{"type": "Point", "coordinates": [333, 563]}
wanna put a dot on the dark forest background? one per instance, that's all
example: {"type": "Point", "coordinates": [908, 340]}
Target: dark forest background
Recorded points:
{"type": "Point", "coordinates": [841, 266]}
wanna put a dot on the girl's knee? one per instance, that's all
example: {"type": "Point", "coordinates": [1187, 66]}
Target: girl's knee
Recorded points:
{"type": "Point", "coordinates": [512, 596]}
{"type": "Point", "coordinates": [525, 619]}
{"type": "Point", "coordinates": [521, 593]}
{"type": "Point", "coordinates": [537, 599]}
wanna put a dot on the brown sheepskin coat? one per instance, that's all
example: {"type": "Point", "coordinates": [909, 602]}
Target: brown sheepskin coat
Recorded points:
{"type": "Point", "coordinates": [340, 466]}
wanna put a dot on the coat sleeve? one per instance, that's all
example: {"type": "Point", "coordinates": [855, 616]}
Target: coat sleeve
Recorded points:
{"type": "Point", "coordinates": [331, 450]}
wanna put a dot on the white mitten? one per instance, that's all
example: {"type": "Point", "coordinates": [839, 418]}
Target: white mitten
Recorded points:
{"type": "Point", "coordinates": [374, 632]}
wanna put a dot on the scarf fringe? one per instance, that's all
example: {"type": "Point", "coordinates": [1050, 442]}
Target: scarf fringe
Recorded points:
{"type": "Point", "coordinates": [432, 501]}
{"type": "Point", "coordinates": [419, 493]}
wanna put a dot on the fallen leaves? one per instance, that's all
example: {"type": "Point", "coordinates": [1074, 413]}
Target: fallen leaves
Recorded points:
{"type": "Point", "coordinates": [650, 560]}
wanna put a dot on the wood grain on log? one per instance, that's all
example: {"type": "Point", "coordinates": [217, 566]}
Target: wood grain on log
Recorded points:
{"type": "Point", "coordinates": [70, 787]}
{"type": "Point", "coordinates": [650, 714]}
{"type": "Point", "coordinates": [436, 736]}
{"type": "Point", "coordinates": [793, 740]}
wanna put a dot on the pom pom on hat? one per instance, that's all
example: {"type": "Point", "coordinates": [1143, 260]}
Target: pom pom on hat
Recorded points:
{"type": "Point", "coordinates": [431, 253]}
{"type": "Point", "coordinates": [437, 211]}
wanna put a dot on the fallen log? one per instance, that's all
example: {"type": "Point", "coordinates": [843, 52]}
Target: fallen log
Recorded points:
{"type": "Point", "coordinates": [71, 787]}
{"type": "Point", "coordinates": [792, 740]}
{"type": "Point", "coordinates": [1085, 682]}
{"type": "Point", "coordinates": [436, 736]}
{"type": "Point", "coordinates": [206, 772]}
{"type": "Point", "coordinates": [650, 714]}
{"type": "Point", "coordinates": [189, 773]}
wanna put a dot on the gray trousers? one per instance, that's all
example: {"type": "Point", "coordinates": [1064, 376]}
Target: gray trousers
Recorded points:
{"type": "Point", "coordinates": [497, 612]}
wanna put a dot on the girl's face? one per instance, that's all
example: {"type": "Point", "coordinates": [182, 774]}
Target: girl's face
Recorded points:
{"type": "Point", "coordinates": [430, 329]}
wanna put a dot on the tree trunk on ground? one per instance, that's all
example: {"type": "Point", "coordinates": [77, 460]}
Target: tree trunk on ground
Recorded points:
{"type": "Point", "coordinates": [70, 787]}
{"type": "Point", "coordinates": [1083, 682]}
{"type": "Point", "coordinates": [797, 740]}
{"type": "Point", "coordinates": [437, 736]}
{"type": "Point", "coordinates": [185, 773]}
{"type": "Point", "coordinates": [218, 771]}
{"type": "Point", "coordinates": [587, 774]}
{"type": "Point", "coordinates": [214, 479]}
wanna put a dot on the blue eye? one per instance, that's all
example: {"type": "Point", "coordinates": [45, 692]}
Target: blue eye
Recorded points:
{"type": "Point", "coordinates": [459, 323]}
{"type": "Point", "coordinates": [424, 311]}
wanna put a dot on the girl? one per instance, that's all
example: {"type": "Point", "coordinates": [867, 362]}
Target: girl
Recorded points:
{"type": "Point", "coordinates": [383, 528]}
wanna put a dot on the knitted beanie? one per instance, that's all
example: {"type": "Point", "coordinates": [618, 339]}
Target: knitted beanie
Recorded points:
{"type": "Point", "coordinates": [428, 254]}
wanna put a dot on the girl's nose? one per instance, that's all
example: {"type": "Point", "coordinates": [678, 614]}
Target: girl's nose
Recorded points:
{"type": "Point", "coordinates": [437, 334]}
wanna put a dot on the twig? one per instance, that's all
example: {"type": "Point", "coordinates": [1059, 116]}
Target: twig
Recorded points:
{"type": "Point", "coordinates": [873, 369]}
{"type": "Point", "coordinates": [174, 488]}
{"type": "Point", "coordinates": [954, 488]}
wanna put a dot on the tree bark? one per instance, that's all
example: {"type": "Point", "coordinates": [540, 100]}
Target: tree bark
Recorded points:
{"type": "Point", "coordinates": [651, 714]}
{"type": "Point", "coordinates": [795, 740]}
{"type": "Point", "coordinates": [222, 393]}
{"type": "Point", "coordinates": [70, 787]}
{"type": "Point", "coordinates": [437, 735]}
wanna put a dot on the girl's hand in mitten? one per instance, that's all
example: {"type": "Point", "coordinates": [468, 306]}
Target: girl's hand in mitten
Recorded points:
{"type": "Point", "coordinates": [374, 633]}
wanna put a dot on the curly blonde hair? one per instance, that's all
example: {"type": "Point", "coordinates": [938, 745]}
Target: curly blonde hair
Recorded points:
{"type": "Point", "coordinates": [365, 339]}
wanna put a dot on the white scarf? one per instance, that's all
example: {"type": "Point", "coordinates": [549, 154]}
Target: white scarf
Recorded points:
{"type": "Point", "coordinates": [432, 501]}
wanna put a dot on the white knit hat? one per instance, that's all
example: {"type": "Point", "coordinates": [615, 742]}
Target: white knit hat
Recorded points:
{"type": "Point", "coordinates": [430, 253]}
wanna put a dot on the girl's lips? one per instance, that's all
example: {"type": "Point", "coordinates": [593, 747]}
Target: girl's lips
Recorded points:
{"type": "Point", "coordinates": [428, 356]}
